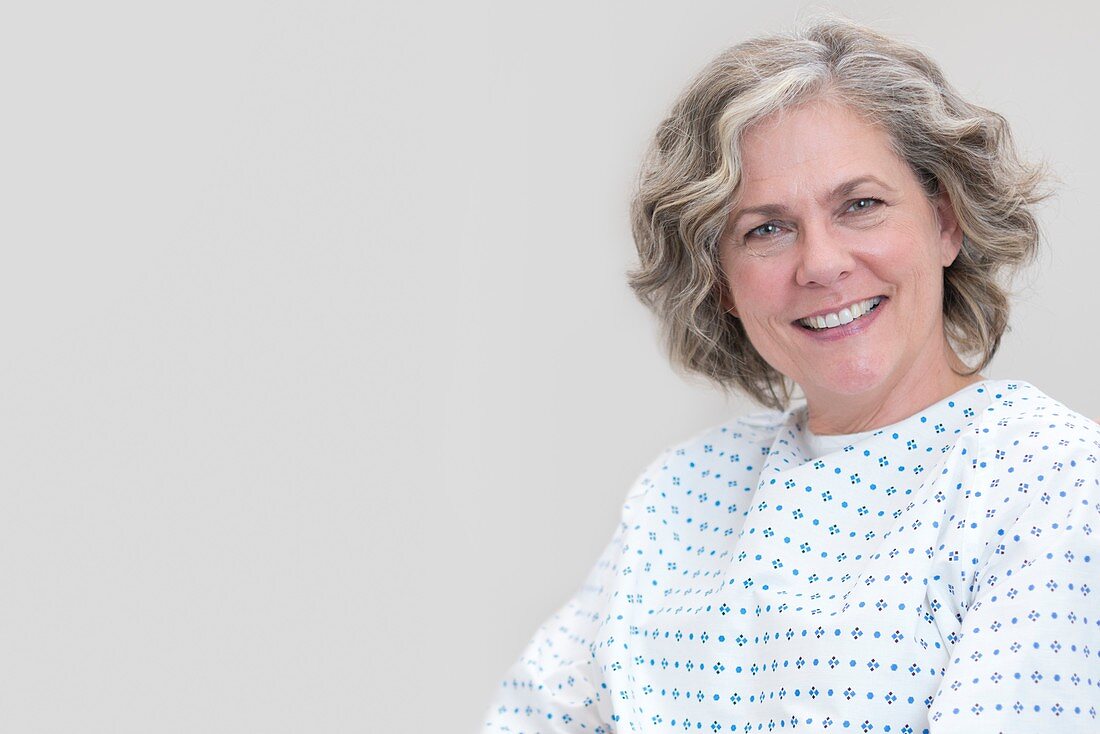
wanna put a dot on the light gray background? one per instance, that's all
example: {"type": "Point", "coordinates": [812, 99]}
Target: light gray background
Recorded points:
{"type": "Point", "coordinates": [321, 384]}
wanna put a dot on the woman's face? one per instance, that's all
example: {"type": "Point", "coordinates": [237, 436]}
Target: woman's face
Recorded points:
{"type": "Point", "coordinates": [830, 217]}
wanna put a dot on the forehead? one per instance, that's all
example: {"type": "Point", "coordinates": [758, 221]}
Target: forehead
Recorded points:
{"type": "Point", "coordinates": [813, 146]}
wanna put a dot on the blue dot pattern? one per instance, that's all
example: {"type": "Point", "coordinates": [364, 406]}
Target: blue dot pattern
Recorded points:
{"type": "Point", "coordinates": [936, 575]}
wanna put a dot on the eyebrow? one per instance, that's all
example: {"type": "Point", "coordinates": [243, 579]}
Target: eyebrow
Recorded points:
{"type": "Point", "coordinates": [845, 188]}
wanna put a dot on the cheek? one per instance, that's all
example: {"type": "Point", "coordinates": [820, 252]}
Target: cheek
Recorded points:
{"type": "Point", "coordinates": [914, 246]}
{"type": "Point", "coordinates": [750, 284]}
{"type": "Point", "coordinates": [760, 312]}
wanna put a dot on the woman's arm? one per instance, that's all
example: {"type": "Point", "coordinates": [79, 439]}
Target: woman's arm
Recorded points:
{"type": "Point", "coordinates": [556, 686]}
{"type": "Point", "coordinates": [1027, 655]}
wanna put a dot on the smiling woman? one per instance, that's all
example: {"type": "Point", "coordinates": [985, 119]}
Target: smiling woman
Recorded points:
{"type": "Point", "coordinates": [834, 220]}
{"type": "Point", "coordinates": [908, 549]}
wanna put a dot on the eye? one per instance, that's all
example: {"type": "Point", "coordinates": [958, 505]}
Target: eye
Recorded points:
{"type": "Point", "coordinates": [768, 229]}
{"type": "Point", "coordinates": [864, 204]}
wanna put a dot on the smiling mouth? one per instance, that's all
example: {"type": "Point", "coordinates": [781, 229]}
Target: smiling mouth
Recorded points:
{"type": "Point", "coordinates": [844, 316]}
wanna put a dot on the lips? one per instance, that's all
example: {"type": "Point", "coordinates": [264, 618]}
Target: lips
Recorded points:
{"type": "Point", "coordinates": [825, 320]}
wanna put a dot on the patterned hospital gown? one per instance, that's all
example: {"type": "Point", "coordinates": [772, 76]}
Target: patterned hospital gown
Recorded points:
{"type": "Point", "coordinates": [937, 575]}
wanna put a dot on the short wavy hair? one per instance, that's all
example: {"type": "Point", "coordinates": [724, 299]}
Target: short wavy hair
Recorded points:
{"type": "Point", "coordinates": [691, 173]}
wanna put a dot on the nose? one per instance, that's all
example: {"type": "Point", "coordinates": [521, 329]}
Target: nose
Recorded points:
{"type": "Point", "coordinates": [824, 258]}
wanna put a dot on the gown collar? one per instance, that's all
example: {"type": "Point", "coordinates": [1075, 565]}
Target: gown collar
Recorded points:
{"type": "Point", "coordinates": [933, 429]}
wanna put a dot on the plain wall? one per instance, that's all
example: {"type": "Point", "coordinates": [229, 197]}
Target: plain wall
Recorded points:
{"type": "Point", "coordinates": [321, 382]}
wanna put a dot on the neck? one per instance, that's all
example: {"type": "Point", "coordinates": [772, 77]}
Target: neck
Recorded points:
{"type": "Point", "coordinates": [832, 414]}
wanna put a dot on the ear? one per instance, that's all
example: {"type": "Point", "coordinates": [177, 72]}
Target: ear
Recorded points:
{"type": "Point", "coordinates": [951, 234]}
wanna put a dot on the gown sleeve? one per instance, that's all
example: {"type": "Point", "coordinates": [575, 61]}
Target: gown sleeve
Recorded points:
{"type": "Point", "coordinates": [556, 686]}
{"type": "Point", "coordinates": [1026, 657]}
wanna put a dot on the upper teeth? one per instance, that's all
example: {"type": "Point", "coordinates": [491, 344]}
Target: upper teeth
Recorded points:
{"type": "Point", "coordinates": [845, 315]}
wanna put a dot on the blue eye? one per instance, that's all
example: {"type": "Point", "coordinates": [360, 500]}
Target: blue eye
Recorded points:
{"type": "Point", "coordinates": [764, 230]}
{"type": "Point", "coordinates": [860, 205]}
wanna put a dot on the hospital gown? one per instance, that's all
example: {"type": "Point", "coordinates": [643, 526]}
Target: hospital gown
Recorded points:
{"type": "Point", "coordinates": [936, 575]}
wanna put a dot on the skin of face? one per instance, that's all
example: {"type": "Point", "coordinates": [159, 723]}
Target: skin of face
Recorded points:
{"type": "Point", "coordinates": [827, 214]}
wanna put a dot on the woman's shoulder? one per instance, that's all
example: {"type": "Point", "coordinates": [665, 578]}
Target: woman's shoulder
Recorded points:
{"type": "Point", "coordinates": [752, 431]}
{"type": "Point", "coordinates": [726, 454]}
{"type": "Point", "coordinates": [1032, 454]}
{"type": "Point", "coordinates": [1021, 412]}
{"type": "Point", "coordinates": [1035, 472]}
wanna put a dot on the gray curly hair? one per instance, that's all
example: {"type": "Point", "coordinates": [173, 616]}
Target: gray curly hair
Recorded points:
{"type": "Point", "coordinates": [691, 173]}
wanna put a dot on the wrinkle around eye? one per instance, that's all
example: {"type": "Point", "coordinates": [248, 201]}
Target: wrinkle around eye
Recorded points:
{"type": "Point", "coordinates": [865, 217]}
{"type": "Point", "coordinates": [778, 238]}
{"type": "Point", "coordinates": [874, 202]}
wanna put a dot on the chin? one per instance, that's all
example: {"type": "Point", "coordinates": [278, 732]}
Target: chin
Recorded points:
{"type": "Point", "coordinates": [850, 379]}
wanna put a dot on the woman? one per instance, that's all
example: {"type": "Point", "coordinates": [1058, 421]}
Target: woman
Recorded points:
{"type": "Point", "coordinates": [910, 549]}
